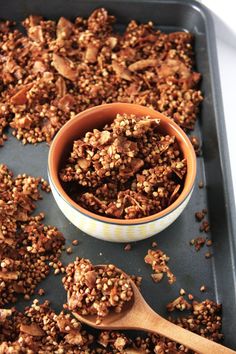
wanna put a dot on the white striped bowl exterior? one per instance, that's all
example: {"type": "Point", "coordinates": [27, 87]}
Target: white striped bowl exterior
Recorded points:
{"type": "Point", "coordinates": [115, 232]}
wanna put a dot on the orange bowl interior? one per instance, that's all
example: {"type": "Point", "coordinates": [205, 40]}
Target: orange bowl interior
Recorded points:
{"type": "Point", "coordinates": [98, 117]}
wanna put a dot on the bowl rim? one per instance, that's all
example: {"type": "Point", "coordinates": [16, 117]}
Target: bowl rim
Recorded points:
{"type": "Point", "coordinates": [190, 178]}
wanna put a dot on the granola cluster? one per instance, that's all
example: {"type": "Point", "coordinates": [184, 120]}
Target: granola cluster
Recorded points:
{"type": "Point", "coordinates": [58, 69]}
{"type": "Point", "coordinates": [95, 291]}
{"type": "Point", "coordinates": [26, 244]}
{"type": "Point", "coordinates": [128, 170]}
{"type": "Point", "coordinates": [158, 261]}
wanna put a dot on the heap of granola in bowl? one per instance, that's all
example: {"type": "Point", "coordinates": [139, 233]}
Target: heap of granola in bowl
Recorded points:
{"type": "Point", "coordinates": [121, 172]}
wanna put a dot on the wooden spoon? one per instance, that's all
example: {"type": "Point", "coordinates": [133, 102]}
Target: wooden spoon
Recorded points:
{"type": "Point", "coordinates": [137, 315]}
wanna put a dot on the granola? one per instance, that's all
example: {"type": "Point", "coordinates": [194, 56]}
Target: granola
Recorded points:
{"type": "Point", "coordinates": [93, 290]}
{"type": "Point", "coordinates": [204, 319]}
{"type": "Point", "coordinates": [158, 261]}
{"type": "Point", "coordinates": [128, 170]}
{"type": "Point", "coordinates": [26, 244]}
{"type": "Point", "coordinates": [40, 330]}
{"type": "Point", "coordinates": [198, 242]}
{"type": "Point", "coordinates": [58, 69]}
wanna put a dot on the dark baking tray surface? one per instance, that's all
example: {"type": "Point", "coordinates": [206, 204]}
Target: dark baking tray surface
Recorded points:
{"type": "Point", "coordinates": [191, 268]}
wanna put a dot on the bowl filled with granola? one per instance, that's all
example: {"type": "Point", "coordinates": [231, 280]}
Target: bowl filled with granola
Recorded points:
{"type": "Point", "coordinates": [121, 172]}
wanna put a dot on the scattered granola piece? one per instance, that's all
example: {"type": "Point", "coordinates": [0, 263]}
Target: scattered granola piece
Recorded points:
{"type": "Point", "coordinates": [205, 226]}
{"type": "Point", "coordinates": [199, 215]}
{"type": "Point", "coordinates": [196, 144]}
{"type": "Point", "coordinates": [200, 184]}
{"type": "Point", "coordinates": [190, 296]}
{"type": "Point", "coordinates": [198, 242]}
{"type": "Point", "coordinates": [208, 255]}
{"type": "Point", "coordinates": [202, 288]}
{"type": "Point", "coordinates": [180, 304]}
{"type": "Point", "coordinates": [209, 243]}
{"type": "Point", "coordinates": [128, 247]}
{"type": "Point", "coordinates": [41, 292]}
{"type": "Point", "coordinates": [157, 277]}
{"type": "Point", "coordinates": [154, 244]}
{"type": "Point", "coordinates": [182, 292]}
{"type": "Point", "coordinates": [158, 261]}
{"type": "Point", "coordinates": [69, 250]}
{"type": "Point", "coordinates": [75, 242]}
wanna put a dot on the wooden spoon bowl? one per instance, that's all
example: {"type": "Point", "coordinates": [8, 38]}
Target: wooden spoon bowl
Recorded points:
{"type": "Point", "coordinates": [138, 315]}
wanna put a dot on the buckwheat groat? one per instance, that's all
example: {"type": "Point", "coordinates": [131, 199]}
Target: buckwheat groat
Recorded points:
{"type": "Point", "coordinates": [95, 291]}
{"type": "Point", "coordinates": [128, 170]}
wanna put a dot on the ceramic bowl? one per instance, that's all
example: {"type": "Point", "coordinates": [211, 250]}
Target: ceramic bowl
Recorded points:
{"type": "Point", "coordinates": [105, 228]}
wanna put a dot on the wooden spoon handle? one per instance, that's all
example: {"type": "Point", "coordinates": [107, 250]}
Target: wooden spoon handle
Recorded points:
{"type": "Point", "coordinates": [154, 323]}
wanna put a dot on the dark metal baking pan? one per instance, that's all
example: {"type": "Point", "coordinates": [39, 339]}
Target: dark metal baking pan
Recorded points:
{"type": "Point", "coordinates": [191, 268]}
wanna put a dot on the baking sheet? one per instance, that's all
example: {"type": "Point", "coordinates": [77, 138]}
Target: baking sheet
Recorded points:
{"type": "Point", "coordinates": [190, 267]}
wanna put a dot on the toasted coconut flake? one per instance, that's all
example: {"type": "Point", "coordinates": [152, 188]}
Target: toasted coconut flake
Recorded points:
{"type": "Point", "coordinates": [64, 67]}
{"type": "Point", "coordinates": [21, 96]}
{"type": "Point", "coordinates": [142, 64]}
{"type": "Point", "coordinates": [91, 53]}
{"type": "Point", "coordinates": [122, 72]}
{"type": "Point", "coordinates": [33, 329]}
{"type": "Point", "coordinates": [64, 28]}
